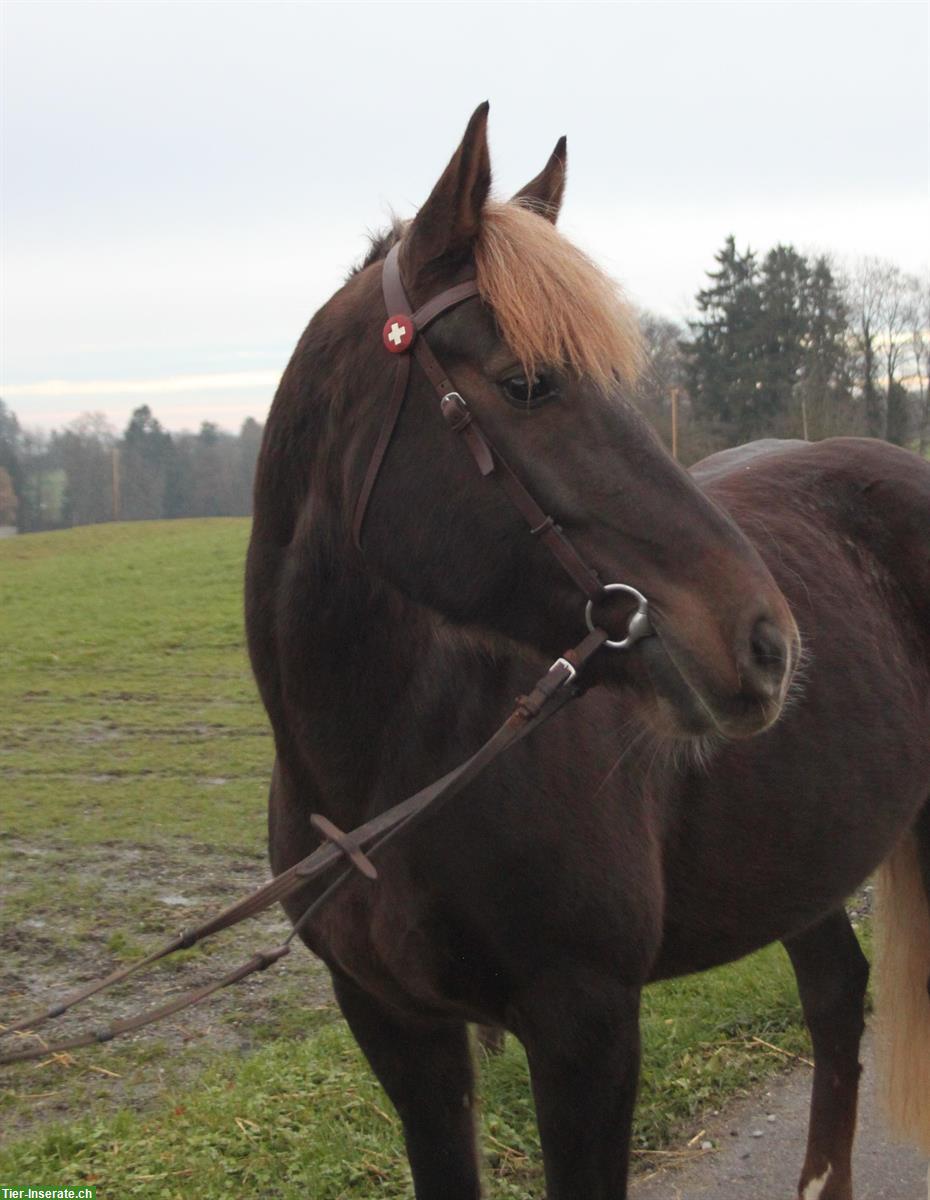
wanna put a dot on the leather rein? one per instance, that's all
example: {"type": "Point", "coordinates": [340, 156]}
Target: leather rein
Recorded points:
{"type": "Point", "coordinates": [402, 337]}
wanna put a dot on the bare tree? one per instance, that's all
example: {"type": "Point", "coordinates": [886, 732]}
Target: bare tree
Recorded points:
{"type": "Point", "coordinates": [663, 371]}
{"type": "Point", "coordinates": [39, 499]}
{"type": "Point", "coordinates": [85, 450]}
{"type": "Point", "coordinates": [919, 321]}
{"type": "Point", "coordinates": [894, 318]}
{"type": "Point", "coordinates": [8, 502]}
{"type": "Point", "coordinates": [864, 288]}
{"type": "Point", "coordinates": [882, 323]}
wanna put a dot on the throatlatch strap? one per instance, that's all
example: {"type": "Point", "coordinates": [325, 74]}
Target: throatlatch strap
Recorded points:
{"type": "Point", "coordinates": [460, 418]}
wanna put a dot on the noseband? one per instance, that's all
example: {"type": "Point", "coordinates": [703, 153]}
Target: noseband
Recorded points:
{"type": "Point", "coordinates": [401, 338]}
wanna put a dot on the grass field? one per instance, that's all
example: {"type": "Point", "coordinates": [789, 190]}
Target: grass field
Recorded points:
{"type": "Point", "coordinates": [134, 757]}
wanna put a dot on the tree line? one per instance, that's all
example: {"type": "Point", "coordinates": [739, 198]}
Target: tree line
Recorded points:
{"type": "Point", "coordinates": [86, 474]}
{"type": "Point", "coordinates": [783, 345]}
{"type": "Point", "coordinates": [788, 345]}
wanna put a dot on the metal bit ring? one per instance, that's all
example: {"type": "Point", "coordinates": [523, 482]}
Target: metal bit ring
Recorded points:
{"type": "Point", "coordinates": [638, 625]}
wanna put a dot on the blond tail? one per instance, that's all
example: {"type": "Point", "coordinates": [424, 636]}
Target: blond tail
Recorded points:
{"type": "Point", "coordinates": [903, 1002]}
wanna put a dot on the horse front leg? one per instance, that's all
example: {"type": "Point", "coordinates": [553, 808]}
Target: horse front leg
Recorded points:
{"type": "Point", "coordinates": [426, 1070]}
{"type": "Point", "coordinates": [832, 973]}
{"type": "Point", "coordinates": [582, 1042]}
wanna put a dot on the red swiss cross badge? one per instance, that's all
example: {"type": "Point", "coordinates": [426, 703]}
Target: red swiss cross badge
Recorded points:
{"type": "Point", "coordinates": [397, 334]}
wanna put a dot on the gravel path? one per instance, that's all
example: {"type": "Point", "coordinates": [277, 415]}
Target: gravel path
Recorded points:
{"type": "Point", "coordinates": [745, 1166]}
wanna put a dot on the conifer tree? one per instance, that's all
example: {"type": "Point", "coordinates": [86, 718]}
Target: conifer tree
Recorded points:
{"type": "Point", "coordinates": [147, 452]}
{"type": "Point", "coordinates": [769, 356]}
{"type": "Point", "coordinates": [825, 384]}
{"type": "Point", "coordinates": [722, 356]}
{"type": "Point", "coordinates": [781, 338]}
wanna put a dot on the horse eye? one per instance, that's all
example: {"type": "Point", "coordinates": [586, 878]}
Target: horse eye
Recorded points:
{"type": "Point", "coordinates": [528, 393]}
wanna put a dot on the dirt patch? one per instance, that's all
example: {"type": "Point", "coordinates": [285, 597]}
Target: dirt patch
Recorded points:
{"type": "Point", "coordinates": [70, 916]}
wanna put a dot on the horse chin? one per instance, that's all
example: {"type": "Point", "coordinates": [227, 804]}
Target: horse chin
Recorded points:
{"type": "Point", "coordinates": [677, 708]}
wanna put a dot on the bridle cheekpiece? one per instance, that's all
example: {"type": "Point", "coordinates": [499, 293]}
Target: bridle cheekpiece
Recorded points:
{"type": "Point", "coordinates": [401, 339]}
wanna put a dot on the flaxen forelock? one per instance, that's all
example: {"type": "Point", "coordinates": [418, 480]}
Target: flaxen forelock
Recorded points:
{"type": "Point", "coordinates": [553, 305]}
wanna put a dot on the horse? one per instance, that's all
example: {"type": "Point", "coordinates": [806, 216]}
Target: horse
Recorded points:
{"type": "Point", "coordinates": [726, 780]}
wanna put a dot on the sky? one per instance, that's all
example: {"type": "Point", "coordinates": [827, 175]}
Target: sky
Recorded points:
{"type": "Point", "coordinates": [185, 183]}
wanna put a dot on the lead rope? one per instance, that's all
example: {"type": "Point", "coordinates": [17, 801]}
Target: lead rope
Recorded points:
{"type": "Point", "coordinates": [551, 692]}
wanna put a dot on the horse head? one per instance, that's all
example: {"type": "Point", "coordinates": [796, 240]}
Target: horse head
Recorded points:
{"type": "Point", "coordinates": [546, 356]}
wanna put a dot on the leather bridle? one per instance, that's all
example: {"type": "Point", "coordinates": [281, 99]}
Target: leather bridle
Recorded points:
{"type": "Point", "coordinates": [402, 336]}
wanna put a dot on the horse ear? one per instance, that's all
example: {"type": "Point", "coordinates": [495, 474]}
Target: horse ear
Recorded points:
{"type": "Point", "coordinates": [544, 193]}
{"type": "Point", "coordinates": [447, 225]}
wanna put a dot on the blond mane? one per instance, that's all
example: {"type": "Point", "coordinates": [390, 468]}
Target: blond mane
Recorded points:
{"type": "Point", "coordinates": [552, 304]}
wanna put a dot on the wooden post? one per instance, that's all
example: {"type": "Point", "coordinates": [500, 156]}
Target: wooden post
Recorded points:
{"type": "Point", "coordinates": [675, 423]}
{"type": "Point", "coordinates": [115, 481]}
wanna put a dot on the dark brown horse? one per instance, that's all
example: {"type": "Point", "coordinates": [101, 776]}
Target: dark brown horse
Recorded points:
{"type": "Point", "coordinates": [645, 833]}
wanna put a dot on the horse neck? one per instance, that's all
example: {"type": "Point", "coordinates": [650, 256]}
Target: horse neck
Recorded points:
{"type": "Point", "coordinates": [383, 696]}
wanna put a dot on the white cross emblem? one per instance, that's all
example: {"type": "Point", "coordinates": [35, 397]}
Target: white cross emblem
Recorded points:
{"type": "Point", "coordinates": [397, 333]}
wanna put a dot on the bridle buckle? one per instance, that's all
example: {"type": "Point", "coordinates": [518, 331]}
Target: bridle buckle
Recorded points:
{"type": "Point", "coordinates": [572, 671]}
{"type": "Point", "coordinates": [455, 411]}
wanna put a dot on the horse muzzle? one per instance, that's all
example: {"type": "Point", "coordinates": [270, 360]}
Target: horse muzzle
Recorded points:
{"type": "Point", "coordinates": [690, 700]}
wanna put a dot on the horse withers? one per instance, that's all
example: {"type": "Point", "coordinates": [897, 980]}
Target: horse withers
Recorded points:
{"type": "Point", "coordinates": [698, 801]}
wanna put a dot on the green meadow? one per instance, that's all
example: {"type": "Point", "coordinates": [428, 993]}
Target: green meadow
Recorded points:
{"type": "Point", "coordinates": [134, 757]}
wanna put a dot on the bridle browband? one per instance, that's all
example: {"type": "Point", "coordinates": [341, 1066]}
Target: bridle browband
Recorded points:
{"type": "Point", "coordinates": [552, 691]}
{"type": "Point", "coordinates": [401, 338]}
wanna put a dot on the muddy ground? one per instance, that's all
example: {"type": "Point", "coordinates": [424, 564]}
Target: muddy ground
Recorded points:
{"type": "Point", "coordinates": [141, 896]}
{"type": "Point", "coordinates": [144, 895]}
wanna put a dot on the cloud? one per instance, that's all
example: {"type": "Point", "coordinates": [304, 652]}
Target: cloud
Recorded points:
{"type": "Point", "coordinates": [214, 382]}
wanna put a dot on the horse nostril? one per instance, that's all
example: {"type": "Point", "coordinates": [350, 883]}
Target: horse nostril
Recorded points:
{"type": "Point", "coordinates": [769, 657]}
